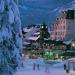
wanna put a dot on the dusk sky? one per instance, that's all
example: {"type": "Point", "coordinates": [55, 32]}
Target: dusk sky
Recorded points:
{"type": "Point", "coordinates": [39, 11]}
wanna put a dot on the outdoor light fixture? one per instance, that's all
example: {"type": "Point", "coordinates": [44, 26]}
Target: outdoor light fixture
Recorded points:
{"type": "Point", "coordinates": [46, 26]}
{"type": "Point", "coordinates": [42, 27]}
{"type": "Point", "coordinates": [73, 44]}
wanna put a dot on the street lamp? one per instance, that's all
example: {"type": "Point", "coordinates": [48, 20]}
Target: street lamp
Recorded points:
{"type": "Point", "coordinates": [46, 26]}
{"type": "Point", "coordinates": [73, 45]}
{"type": "Point", "coordinates": [41, 26]}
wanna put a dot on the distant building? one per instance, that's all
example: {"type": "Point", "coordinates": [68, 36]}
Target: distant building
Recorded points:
{"type": "Point", "coordinates": [64, 27]}
{"type": "Point", "coordinates": [33, 36]}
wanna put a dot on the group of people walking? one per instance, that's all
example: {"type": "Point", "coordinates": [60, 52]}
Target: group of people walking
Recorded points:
{"type": "Point", "coordinates": [37, 67]}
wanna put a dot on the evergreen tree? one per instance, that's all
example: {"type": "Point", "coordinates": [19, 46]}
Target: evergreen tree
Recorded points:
{"type": "Point", "coordinates": [10, 37]}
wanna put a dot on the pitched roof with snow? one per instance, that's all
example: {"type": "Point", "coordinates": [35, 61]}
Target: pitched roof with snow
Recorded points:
{"type": "Point", "coordinates": [34, 38]}
{"type": "Point", "coordinates": [27, 29]}
{"type": "Point", "coordinates": [26, 43]}
{"type": "Point", "coordinates": [37, 33]}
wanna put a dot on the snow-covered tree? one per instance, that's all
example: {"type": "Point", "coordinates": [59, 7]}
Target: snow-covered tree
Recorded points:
{"type": "Point", "coordinates": [10, 37]}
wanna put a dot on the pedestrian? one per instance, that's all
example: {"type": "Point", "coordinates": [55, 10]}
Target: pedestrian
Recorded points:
{"type": "Point", "coordinates": [34, 66]}
{"type": "Point", "coordinates": [64, 66]}
{"type": "Point", "coordinates": [38, 67]}
{"type": "Point", "coordinates": [47, 68]}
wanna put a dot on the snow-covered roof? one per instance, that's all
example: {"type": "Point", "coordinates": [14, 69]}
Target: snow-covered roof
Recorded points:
{"type": "Point", "coordinates": [26, 43]}
{"type": "Point", "coordinates": [37, 33]}
{"type": "Point", "coordinates": [71, 59]}
{"type": "Point", "coordinates": [27, 29]}
{"type": "Point", "coordinates": [67, 42]}
{"type": "Point", "coordinates": [24, 47]}
{"type": "Point", "coordinates": [33, 38]}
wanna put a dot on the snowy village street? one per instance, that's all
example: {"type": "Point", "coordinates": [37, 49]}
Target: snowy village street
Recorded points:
{"type": "Point", "coordinates": [42, 72]}
{"type": "Point", "coordinates": [37, 37]}
{"type": "Point", "coordinates": [56, 72]}
{"type": "Point", "coordinates": [57, 69]}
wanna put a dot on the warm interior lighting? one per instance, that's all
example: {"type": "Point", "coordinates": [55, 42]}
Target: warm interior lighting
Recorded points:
{"type": "Point", "coordinates": [73, 44]}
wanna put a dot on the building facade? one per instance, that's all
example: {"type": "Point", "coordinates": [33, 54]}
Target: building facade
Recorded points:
{"type": "Point", "coordinates": [64, 27]}
{"type": "Point", "coordinates": [33, 36]}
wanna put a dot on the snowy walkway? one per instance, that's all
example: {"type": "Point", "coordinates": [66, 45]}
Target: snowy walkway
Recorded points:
{"type": "Point", "coordinates": [56, 70]}
{"type": "Point", "coordinates": [42, 72]}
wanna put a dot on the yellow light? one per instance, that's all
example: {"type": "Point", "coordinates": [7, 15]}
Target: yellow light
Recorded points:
{"type": "Point", "coordinates": [73, 44]}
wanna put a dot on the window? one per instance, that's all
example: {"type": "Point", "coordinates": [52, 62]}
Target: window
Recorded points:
{"type": "Point", "coordinates": [61, 33]}
{"type": "Point", "coordinates": [56, 27]}
{"type": "Point", "coordinates": [58, 33]}
{"type": "Point", "coordinates": [64, 21]}
{"type": "Point", "coordinates": [69, 27]}
{"type": "Point", "coordinates": [55, 33]}
{"type": "Point", "coordinates": [63, 27]}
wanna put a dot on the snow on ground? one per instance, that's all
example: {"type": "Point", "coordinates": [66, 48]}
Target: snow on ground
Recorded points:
{"type": "Point", "coordinates": [56, 69]}
{"type": "Point", "coordinates": [42, 72]}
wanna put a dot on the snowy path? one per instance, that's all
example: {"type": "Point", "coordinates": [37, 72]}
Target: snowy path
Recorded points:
{"type": "Point", "coordinates": [42, 72]}
{"type": "Point", "coordinates": [57, 70]}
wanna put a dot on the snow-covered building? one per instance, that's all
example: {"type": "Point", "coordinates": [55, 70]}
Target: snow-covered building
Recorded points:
{"type": "Point", "coordinates": [31, 34]}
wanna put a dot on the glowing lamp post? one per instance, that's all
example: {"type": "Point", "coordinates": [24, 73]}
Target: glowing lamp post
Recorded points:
{"type": "Point", "coordinates": [73, 45]}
